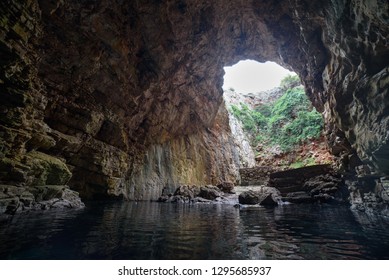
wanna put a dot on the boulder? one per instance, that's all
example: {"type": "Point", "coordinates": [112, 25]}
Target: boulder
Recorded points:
{"type": "Point", "coordinates": [187, 191]}
{"type": "Point", "coordinates": [249, 197]}
{"type": "Point", "coordinates": [226, 187]}
{"type": "Point", "coordinates": [15, 199]}
{"type": "Point", "coordinates": [187, 194]}
{"type": "Point", "coordinates": [265, 196]}
{"type": "Point", "coordinates": [269, 200]}
{"type": "Point", "coordinates": [298, 197]}
{"type": "Point", "coordinates": [210, 192]}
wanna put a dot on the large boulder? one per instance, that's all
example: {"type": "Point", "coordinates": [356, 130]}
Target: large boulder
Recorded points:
{"type": "Point", "coordinates": [14, 199]}
{"type": "Point", "coordinates": [192, 194]}
{"type": "Point", "coordinates": [210, 192]}
{"type": "Point", "coordinates": [266, 196]}
{"type": "Point", "coordinates": [249, 197]}
{"type": "Point", "coordinates": [187, 191]}
{"type": "Point", "coordinates": [226, 187]}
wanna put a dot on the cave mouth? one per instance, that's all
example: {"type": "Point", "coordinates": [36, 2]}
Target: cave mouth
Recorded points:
{"type": "Point", "coordinates": [276, 118]}
{"type": "Point", "coordinates": [248, 76]}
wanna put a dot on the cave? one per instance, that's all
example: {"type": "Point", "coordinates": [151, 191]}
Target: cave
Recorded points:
{"type": "Point", "coordinates": [109, 90]}
{"type": "Point", "coordinates": [123, 99]}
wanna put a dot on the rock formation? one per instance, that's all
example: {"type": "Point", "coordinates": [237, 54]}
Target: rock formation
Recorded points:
{"type": "Point", "coordinates": [124, 98]}
{"type": "Point", "coordinates": [266, 196]}
{"type": "Point", "coordinates": [317, 183]}
{"type": "Point", "coordinates": [195, 194]}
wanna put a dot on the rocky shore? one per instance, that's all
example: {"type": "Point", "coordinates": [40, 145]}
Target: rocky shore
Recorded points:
{"type": "Point", "coordinates": [15, 199]}
{"type": "Point", "coordinates": [306, 185]}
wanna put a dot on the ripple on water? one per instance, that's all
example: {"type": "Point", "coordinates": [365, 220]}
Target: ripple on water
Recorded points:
{"type": "Point", "coordinates": [168, 231]}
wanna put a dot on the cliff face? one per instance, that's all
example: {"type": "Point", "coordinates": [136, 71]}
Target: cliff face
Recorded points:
{"type": "Point", "coordinates": [207, 157]}
{"type": "Point", "coordinates": [125, 97]}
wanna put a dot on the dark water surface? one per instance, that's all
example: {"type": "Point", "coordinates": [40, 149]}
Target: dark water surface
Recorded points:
{"type": "Point", "coordinates": [170, 231]}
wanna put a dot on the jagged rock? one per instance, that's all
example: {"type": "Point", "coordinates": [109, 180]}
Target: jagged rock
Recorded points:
{"type": "Point", "coordinates": [369, 194]}
{"type": "Point", "coordinates": [28, 199]}
{"type": "Point", "coordinates": [226, 187]}
{"type": "Point", "coordinates": [323, 184]}
{"type": "Point", "coordinates": [186, 194]}
{"type": "Point", "coordinates": [293, 180]}
{"type": "Point", "coordinates": [15, 199]}
{"type": "Point", "coordinates": [201, 200]}
{"type": "Point", "coordinates": [188, 191]}
{"type": "Point", "coordinates": [310, 184]}
{"type": "Point", "coordinates": [249, 197]}
{"type": "Point", "coordinates": [266, 196]}
{"type": "Point", "coordinates": [163, 198]}
{"type": "Point", "coordinates": [298, 197]}
{"type": "Point", "coordinates": [269, 200]}
{"type": "Point", "coordinates": [68, 199]}
{"type": "Point", "coordinates": [210, 192]}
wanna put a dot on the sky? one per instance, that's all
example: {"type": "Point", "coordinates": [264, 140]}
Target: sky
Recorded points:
{"type": "Point", "coordinates": [251, 76]}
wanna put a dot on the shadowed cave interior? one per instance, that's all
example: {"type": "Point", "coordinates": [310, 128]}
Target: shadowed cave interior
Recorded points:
{"type": "Point", "coordinates": [115, 99]}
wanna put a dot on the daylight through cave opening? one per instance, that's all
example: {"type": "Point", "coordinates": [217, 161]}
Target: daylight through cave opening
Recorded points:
{"type": "Point", "coordinates": [249, 76]}
{"type": "Point", "coordinates": [271, 115]}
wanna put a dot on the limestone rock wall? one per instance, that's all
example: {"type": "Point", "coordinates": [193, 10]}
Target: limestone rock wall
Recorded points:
{"type": "Point", "coordinates": [101, 89]}
{"type": "Point", "coordinates": [207, 157]}
{"type": "Point", "coordinates": [241, 139]}
{"type": "Point", "coordinates": [356, 78]}
{"type": "Point", "coordinates": [241, 142]}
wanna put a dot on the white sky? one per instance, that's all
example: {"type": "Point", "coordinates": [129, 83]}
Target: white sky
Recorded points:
{"type": "Point", "coordinates": [251, 76]}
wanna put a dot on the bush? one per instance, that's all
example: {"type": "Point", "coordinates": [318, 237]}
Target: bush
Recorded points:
{"type": "Point", "coordinates": [290, 81]}
{"type": "Point", "coordinates": [250, 119]}
{"type": "Point", "coordinates": [287, 122]}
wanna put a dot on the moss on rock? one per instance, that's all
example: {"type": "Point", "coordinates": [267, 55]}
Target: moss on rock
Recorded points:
{"type": "Point", "coordinates": [47, 170]}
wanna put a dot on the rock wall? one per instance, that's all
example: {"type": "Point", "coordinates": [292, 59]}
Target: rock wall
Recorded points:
{"type": "Point", "coordinates": [356, 80]}
{"type": "Point", "coordinates": [241, 142]}
{"type": "Point", "coordinates": [208, 157]}
{"type": "Point", "coordinates": [101, 90]}
{"type": "Point", "coordinates": [241, 139]}
{"type": "Point", "coordinates": [255, 176]}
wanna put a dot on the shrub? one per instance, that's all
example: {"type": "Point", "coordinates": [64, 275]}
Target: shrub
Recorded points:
{"type": "Point", "coordinates": [290, 81]}
{"type": "Point", "coordinates": [287, 122]}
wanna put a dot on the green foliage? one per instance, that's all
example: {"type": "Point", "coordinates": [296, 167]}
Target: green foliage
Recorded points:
{"type": "Point", "coordinates": [250, 119]}
{"type": "Point", "coordinates": [264, 109]}
{"type": "Point", "coordinates": [289, 81]}
{"type": "Point", "coordinates": [293, 101]}
{"type": "Point", "coordinates": [236, 111]}
{"type": "Point", "coordinates": [297, 164]}
{"type": "Point", "coordinates": [306, 162]}
{"type": "Point", "coordinates": [290, 120]}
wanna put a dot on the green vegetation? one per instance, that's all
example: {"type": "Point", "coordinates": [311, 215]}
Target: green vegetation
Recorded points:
{"type": "Point", "coordinates": [290, 80]}
{"type": "Point", "coordinates": [287, 122]}
{"type": "Point", "coordinates": [306, 162]}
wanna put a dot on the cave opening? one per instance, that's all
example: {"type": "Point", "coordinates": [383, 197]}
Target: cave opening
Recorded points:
{"type": "Point", "coordinates": [276, 118]}
{"type": "Point", "coordinates": [249, 76]}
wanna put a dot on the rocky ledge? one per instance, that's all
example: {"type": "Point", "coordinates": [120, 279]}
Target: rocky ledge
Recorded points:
{"type": "Point", "coordinates": [15, 199]}
{"type": "Point", "coordinates": [317, 183]}
{"type": "Point", "coordinates": [191, 194]}
{"type": "Point", "coordinates": [314, 184]}
{"type": "Point", "coordinates": [266, 196]}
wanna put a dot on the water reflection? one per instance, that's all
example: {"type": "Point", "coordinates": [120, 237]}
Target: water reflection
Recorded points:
{"type": "Point", "coordinates": [163, 231]}
{"type": "Point", "coordinates": [171, 231]}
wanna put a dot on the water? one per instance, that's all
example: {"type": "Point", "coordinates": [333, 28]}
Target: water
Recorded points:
{"type": "Point", "coordinates": [169, 231]}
